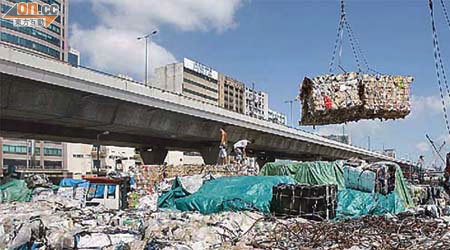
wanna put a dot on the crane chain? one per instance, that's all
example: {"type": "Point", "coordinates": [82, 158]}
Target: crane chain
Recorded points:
{"type": "Point", "coordinates": [338, 40]}
{"type": "Point", "coordinates": [366, 62]}
{"type": "Point", "coordinates": [343, 23]}
{"type": "Point", "coordinates": [438, 65]}
{"type": "Point", "coordinates": [352, 44]}
{"type": "Point", "coordinates": [445, 13]}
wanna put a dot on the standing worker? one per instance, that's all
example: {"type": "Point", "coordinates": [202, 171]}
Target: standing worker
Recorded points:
{"type": "Point", "coordinates": [240, 150]}
{"type": "Point", "coordinates": [420, 163]}
{"type": "Point", "coordinates": [223, 159]}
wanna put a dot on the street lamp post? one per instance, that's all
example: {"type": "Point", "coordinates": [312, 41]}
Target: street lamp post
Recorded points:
{"type": "Point", "coordinates": [146, 37]}
{"type": "Point", "coordinates": [98, 149]}
{"type": "Point", "coordinates": [290, 102]}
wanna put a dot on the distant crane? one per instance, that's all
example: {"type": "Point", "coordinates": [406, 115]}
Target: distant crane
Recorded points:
{"type": "Point", "coordinates": [438, 151]}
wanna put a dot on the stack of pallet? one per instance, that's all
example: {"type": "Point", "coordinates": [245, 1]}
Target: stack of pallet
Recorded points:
{"type": "Point", "coordinates": [333, 99]}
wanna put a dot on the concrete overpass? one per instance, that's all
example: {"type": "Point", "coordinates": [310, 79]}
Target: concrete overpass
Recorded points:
{"type": "Point", "coordinates": [46, 99]}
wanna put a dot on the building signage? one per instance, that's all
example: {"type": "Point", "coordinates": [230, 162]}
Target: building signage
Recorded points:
{"type": "Point", "coordinates": [200, 68]}
{"type": "Point", "coordinates": [31, 14]}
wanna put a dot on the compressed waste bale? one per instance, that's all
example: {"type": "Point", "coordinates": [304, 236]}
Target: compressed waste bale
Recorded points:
{"type": "Point", "coordinates": [333, 99]}
{"type": "Point", "coordinates": [330, 99]}
{"type": "Point", "coordinates": [317, 202]}
{"type": "Point", "coordinates": [386, 97]}
{"type": "Point", "coordinates": [359, 179]}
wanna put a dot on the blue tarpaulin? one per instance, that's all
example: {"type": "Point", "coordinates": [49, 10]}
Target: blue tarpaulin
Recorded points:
{"type": "Point", "coordinates": [67, 182]}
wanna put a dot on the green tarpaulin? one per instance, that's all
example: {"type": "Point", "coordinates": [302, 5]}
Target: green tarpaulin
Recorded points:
{"type": "Point", "coordinates": [14, 190]}
{"type": "Point", "coordinates": [313, 173]}
{"type": "Point", "coordinates": [227, 194]}
{"type": "Point", "coordinates": [167, 199]}
{"type": "Point", "coordinates": [280, 169]}
{"type": "Point", "coordinates": [350, 202]}
{"type": "Point", "coordinates": [320, 173]}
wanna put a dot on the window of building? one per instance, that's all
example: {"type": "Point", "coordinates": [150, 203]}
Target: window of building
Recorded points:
{"type": "Point", "coordinates": [52, 152]}
{"type": "Point", "coordinates": [199, 94]}
{"type": "Point", "coordinates": [13, 162]}
{"type": "Point", "coordinates": [73, 59]}
{"type": "Point", "coordinates": [30, 31]}
{"type": "Point", "coordinates": [52, 164]}
{"type": "Point", "coordinates": [13, 149]}
{"type": "Point", "coordinates": [29, 44]}
{"type": "Point", "coordinates": [78, 156]}
{"type": "Point", "coordinates": [199, 85]}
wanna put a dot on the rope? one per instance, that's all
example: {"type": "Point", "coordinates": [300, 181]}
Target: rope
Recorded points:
{"type": "Point", "coordinates": [445, 13]}
{"type": "Point", "coordinates": [437, 63]}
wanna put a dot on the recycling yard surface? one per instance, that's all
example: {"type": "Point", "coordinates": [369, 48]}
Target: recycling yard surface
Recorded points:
{"type": "Point", "coordinates": [212, 211]}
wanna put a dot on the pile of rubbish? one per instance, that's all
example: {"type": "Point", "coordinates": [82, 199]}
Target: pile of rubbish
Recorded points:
{"type": "Point", "coordinates": [325, 205]}
{"type": "Point", "coordinates": [334, 99]}
{"type": "Point", "coordinates": [149, 177]}
{"type": "Point", "coordinates": [59, 223]}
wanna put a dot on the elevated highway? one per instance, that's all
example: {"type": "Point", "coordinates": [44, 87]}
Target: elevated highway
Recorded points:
{"type": "Point", "coordinates": [43, 98]}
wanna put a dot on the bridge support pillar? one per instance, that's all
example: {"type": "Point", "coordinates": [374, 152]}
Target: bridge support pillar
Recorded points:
{"type": "Point", "coordinates": [154, 156]}
{"type": "Point", "coordinates": [210, 154]}
{"type": "Point", "coordinates": [261, 160]}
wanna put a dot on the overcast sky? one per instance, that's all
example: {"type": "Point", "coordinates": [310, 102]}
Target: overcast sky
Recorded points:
{"type": "Point", "coordinates": [275, 43]}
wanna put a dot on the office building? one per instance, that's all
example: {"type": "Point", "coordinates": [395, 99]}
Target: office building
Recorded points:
{"type": "Point", "coordinates": [277, 117]}
{"type": "Point", "coordinates": [256, 104]}
{"type": "Point", "coordinates": [46, 156]}
{"type": "Point", "coordinates": [73, 57]}
{"type": "Point", "coordinates": [78, 158]}
{"type": "Point", "coordinates": [339, 138]}
{"type": "Point", "coordinates": [117, 158]}
{"type": "Point", "coordinates": [189, 78]}
{"type": "Point", "coordinates": [49, 41]}
{"type": "Point", "coordinates": [231, 94]}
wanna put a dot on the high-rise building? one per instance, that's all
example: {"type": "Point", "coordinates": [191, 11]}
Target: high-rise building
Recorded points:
{"type": "Point", "coordinates": [73, 57]}
{"type": "Point", "coordinates": [49, 41]}
{"type": "Point", "coordinates": [189, 78]}
{"type": "Point", "coordinates": [277, 117]}
{"type": "Point", "coordinates": [231, 94]}
{"type": "Point", "coordinates": [256, 104]}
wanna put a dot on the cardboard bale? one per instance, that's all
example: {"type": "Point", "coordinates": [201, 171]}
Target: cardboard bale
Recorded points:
{"type": "Point", "coordinates": [334, 99]}
{"type": "Point", "coordinates": [386, 97]}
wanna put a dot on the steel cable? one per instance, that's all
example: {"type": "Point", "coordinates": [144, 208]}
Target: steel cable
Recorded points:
{"type": "Point", "coordinates": [438, 65]}
{"type": "Point", "coordinates": [445, 13]}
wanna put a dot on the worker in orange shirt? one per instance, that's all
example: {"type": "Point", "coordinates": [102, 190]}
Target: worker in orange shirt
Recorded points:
{"type": "Point", "coordinates": [223, 157]}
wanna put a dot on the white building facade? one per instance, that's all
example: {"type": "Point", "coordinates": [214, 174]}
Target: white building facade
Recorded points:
{"type": "Point", "coordinates": [277, 117]}
{"type": "Point", "coordinates": [256, 104]}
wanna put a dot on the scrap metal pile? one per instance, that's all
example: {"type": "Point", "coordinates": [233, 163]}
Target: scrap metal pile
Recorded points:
{"type": "Point", "coordinates": [333, 99]}
{"type": "Point", "coordinates": [370, 232]}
